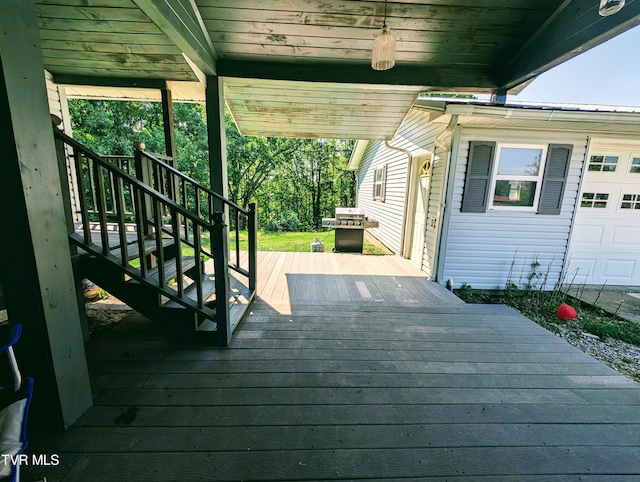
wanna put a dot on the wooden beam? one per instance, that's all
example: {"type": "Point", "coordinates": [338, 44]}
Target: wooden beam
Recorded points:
{"type": "Point", "coordinates": [181, 22]}
{"type": "Point", "coordinates": [35, 260]}
{"type": "Point", "coordinates": [457, 78]}
{"type": "Point", "coordinates": [574, 28]}
{"type": "Point", "coordinates": [168, 123]}
{"type": "Point", "coordinates": [72, 79]}
{"type": "Point", "coordinates": [217, 138]}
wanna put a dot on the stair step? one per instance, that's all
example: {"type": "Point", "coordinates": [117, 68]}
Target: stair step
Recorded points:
{"type": "Point", "coordinates": [191, 292]}
{"type": "Point", "coordinates": [133, 249]}
{"type": "Point", "coordinates": [171, 268]}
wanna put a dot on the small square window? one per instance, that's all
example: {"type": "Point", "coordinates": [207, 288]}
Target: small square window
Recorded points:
{"type": "Point", "coordinates": [594, 200]}
{"type": "Point", "coordinates": [635, 165]}
{"type": "Point", "coordinates": [603, 163]}
{"type": "Point", "coordinates": [630, 201]}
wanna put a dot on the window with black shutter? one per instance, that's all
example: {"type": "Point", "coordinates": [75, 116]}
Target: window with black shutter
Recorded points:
{"type": "Point", "coordinates": [515, 177]}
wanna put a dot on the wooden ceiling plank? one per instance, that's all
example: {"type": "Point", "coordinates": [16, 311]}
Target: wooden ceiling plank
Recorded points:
{"type": "Point", "coordinates": [61, 47]}
{"type": "Point", "coordinates": [224, 30]}
{"type": "Point", "coordinates": [89, 3]}
{"type": "Point", "coordinates": [182, 25]}
{"type": "Point", "coordinates": [266, 52]}
{"type": "Point", "coordinates": [167, 60]}
{"type": "Point", "coordinates": [371, 13]}
{"type": "Point", "coordinates": [105, 37]}
{"type": "Point", "coordinates": [229, 42]}
{"type": "Point", "coordinates": [574, 29]}
{"type": "Point", "coordinates": [122, 14]}
{"type": "Point", "coordinates": [321, 5]}
{"type": "Point", "coordinates": [337, 22]}
{"type": "Point", "coordinates": [107, 26]}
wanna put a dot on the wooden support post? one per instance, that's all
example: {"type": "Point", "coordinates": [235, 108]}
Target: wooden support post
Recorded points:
{"type": "Point", "coordinates": [252, 226]}
{"type": "Point", "coordinates": [168, 123]}
{"type": "Point", "coordinates": [220, 251]}
{"type": "Point", "coordinates": [170, 140]}
{"type": "Point", "coordinates": [35, 261]}
{"type": "Point", "coordinates": [217, 140]}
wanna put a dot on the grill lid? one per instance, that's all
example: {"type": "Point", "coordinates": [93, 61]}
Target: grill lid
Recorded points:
{"type": "Point", "coordinates": [349, 213]}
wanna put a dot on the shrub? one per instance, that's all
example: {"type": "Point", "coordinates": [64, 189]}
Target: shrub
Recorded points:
{"type": "Point", "coordinates": [285, 221]}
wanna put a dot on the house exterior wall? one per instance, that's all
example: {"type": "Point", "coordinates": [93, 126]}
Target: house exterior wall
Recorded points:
{"type": "Point", "coordinates": [414, 135]}
{"type": "Point", "coordinates": [487, 249]}
{"type": "Point", "coordinates": [434, 214]}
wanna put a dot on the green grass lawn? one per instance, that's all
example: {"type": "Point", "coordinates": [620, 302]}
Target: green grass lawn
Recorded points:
{"type": "Point", "coordinates": [296, 242]}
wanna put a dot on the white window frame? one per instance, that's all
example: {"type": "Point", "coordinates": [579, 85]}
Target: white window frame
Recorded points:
{"type": "Point", "coordinates": [631, 158]}
{"type": "Point", "coordinates": [382, 183]}
{"type": "Point", "coordinates": [495, 177]}
{"type": "Point", "coordinates": [604, 155]}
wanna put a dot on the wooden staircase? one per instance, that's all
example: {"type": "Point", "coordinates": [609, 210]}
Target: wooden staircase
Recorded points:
{"type": "Point", "coordinates": [157, 240]}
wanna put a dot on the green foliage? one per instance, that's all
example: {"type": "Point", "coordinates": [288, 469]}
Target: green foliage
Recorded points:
{"type": "Point", "coordinates": [285, 221]}
{"type": "Point", "coordinates": [305, 176]}
{"type": "Point", "coordinates": [540, 306]}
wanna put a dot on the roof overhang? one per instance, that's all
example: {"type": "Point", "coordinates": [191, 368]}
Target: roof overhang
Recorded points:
{"type": "Point", "coordinates": [315, 50]}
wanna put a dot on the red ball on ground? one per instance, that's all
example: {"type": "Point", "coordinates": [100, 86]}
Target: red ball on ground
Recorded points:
{"type": "Point", "coordinates": [566, 312]}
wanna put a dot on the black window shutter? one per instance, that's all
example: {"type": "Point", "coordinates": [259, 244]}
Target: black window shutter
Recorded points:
{"type": "Point", "coordinates": [478, 178]}
{"type": "Point", "coordinates": [555, 178]}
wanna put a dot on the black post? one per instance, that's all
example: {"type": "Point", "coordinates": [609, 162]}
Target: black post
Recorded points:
{"type": "Point", "coordinates": [221, 263]}
{"type": "Point", "coordinates": [252, 230]}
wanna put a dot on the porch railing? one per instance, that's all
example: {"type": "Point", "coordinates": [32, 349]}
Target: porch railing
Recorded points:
{"type": "Point", "coordinates": [155, 199]}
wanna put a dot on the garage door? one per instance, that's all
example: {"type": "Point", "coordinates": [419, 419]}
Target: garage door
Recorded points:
{"type": "Point", "coordinates": [605, 247]}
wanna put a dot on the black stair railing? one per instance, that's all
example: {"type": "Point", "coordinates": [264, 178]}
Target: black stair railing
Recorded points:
{"type": "Point", "coordinates": [111, 197]}
{"type": "Point", "coordinates": [158, 172]}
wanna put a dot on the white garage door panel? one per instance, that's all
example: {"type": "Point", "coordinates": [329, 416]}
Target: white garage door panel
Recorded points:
{"type": "Point", "coordinates": [622, 269]}
{"type": "Point", "coordinates": [626, 236]}
{"type": "Point", "coordinates": [605, 245]}
{"type": "Point", "coordinates": [588, 236]}
{"type": "Point", "coordinates": [580, 269]}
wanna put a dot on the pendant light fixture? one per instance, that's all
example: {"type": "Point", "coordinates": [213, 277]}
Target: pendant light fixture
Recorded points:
{"type": "Point", "coordinates": [384, 47]}
{"type": "Point", "coordinates": [609, 7]}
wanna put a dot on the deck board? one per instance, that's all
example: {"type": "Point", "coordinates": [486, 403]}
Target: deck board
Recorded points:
{"type": "Point", "coordinates": [351, 368]}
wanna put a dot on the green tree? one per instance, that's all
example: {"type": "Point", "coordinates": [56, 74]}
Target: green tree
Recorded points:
{"type": "Point", "coordinates": [295, 182]}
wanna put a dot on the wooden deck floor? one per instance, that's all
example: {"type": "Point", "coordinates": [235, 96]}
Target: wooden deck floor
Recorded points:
{"type": "Point", "coordinates": [396, 381]}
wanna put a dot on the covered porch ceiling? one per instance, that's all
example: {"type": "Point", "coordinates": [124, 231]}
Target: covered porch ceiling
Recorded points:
{"type": "Point", "coordinates": [301, 68]}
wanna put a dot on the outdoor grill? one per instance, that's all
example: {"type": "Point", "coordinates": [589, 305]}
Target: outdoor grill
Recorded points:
{"type": "Point", "coordinates": [349, 224]}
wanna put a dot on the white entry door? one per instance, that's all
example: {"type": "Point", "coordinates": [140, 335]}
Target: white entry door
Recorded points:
{"type": "Point", "coordinates": [605, 246]}
{"type": "Point", "coordinates": [421, 206]}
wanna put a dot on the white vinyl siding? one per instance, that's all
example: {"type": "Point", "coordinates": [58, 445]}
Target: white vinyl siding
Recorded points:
{"type": "Point", "coordinates": [389, 212]}
{"type": "Point", "coordinates": [486, 249]}
{"type": "Point", "coordinates": [434, 213]}
{"type": "Point", "coordinates": [416, 135]}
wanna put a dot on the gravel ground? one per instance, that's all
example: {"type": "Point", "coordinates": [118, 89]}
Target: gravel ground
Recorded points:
{"type": "Point", "coordinates": [622, 357]}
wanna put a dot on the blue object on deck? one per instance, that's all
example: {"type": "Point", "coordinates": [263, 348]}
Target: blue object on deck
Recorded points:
{"type": "Point", "coordinates": [14, 408]}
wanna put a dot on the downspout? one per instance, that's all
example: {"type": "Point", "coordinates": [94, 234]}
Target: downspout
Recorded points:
{"type": "Point", "coordinates": [406, 193]}
{"type": "Point", "coordinates": [567, 260]}
{"type": "Point", "coordinates": [453, 122]}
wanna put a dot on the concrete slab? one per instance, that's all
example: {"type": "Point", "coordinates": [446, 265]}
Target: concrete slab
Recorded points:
{"type": "Point", "coordinates": [619, 300]}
